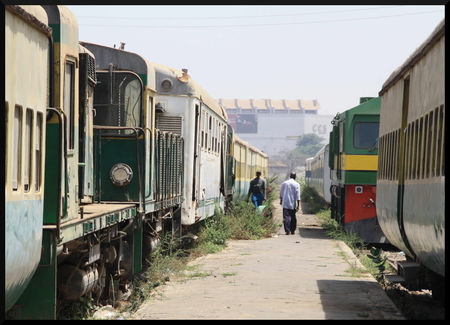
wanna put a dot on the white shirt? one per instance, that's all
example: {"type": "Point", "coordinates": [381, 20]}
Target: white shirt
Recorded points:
{"type": "Point", "coordinates": [290, 194]}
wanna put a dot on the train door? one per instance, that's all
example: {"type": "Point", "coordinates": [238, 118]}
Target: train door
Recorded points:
{"type": "Point", "coordinates": [195, 173]}
{"type": "Point", "coordinates": [401, 162]}
{"type": "Point", "coordinates": [87, 81]}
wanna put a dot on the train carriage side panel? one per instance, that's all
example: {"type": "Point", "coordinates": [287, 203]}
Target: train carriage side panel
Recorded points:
{"type": "Point", "coordinates": [415, 92]}
{"type": "Point", "coordinates": [27, 50]}
{"type": "Point", "coordinates": [387, 188]}
{"type": "Point", "coordinates": [205, 118]}
{"type": "Point", "coordinates": [425, 221]}
{"type": "Point", "coordinates": [326, 175]}
{"type": "Point", "coordinates": [66, 96]}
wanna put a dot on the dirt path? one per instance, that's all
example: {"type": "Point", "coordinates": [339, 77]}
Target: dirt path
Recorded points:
{"type": "Point", "coordinates": [301, 276]}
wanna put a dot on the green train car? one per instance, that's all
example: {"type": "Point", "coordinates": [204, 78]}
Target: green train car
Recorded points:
{"type": "Point", "coordinates": [353, 161]}
{"type": "Point", "coordinates": [95, 171]}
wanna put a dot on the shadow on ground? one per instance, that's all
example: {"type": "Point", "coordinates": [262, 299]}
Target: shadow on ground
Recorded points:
{"type": "Point", "coordinates": [313, 232]}
{"type": "Point", "coordinates": [352, 306]}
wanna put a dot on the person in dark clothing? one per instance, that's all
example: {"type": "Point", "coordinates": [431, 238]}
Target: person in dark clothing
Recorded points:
{"type": "Point", "coordinates": [257, 190]}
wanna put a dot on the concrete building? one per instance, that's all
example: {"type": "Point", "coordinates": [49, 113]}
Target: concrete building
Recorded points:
{"type": "Point", "coordinates": [275, 125]}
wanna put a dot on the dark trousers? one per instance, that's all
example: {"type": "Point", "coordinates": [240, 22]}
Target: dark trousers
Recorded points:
{"type": "Point", "coordinates": [257, 199]}
{"type": "Point", "coordinates": [289, 220]}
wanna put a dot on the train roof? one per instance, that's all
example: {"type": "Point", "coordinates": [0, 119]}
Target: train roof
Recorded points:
{"type": "Point", "coordinates": [183, 84]}
{"type": "Point", "coordinates": [324, 148]}
{"type": "Point", "coordinates": [251, 147]}
{"type": "Point", "coordinates": [83, 49]}
{"type": "Point", "coordinates": [419, 53]}
{"type": "Point", "coordinates": [67, 21]}
{"type": "Point", "coordinates": [34, 15]}
{"type": "Point", "coordinates": [122, 60]}
{"type": "Point", "coordinates": [369, 107]}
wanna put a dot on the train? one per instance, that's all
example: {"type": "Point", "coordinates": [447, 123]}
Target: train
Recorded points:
{"type": "Point", "coordinates": [401, 167]}
{"type": "Point", "coordinates": [353, 157]}
{"type": "Point", "coordinates": [105, 152]}
{"type": "Point", "coordinates": [247, 160]}
{"type": "Point", "coordinates": [411, 169]}
{"type": "Point", "coordinates": [318, 173]}
{"type": "Point", "coordinates": [343, 172]}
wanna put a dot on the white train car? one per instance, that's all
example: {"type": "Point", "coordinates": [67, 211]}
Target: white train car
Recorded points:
{"type": "Point", "coordinates": [27, 81]}
{"type": "Point", "coordinates": [411, 168]}
{"type": "Point", "coordinates": [183, 107]}
{"type": "Point", "coordinates": [317, 173]}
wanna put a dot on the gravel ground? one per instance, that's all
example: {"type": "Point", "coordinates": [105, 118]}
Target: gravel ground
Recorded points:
{"type": "Point", "coordinates": [413, 304]}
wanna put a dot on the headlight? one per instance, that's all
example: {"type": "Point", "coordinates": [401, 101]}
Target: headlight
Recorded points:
{"type": "Point", "coordinates": [121, 174]}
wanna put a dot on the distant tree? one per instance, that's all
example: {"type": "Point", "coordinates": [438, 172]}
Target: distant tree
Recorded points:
{"type": "Point", "coordinates": [309, 144]}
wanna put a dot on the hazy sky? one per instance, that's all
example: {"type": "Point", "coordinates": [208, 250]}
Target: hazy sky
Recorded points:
{"type": "Point", "coordinates": [334, 54]}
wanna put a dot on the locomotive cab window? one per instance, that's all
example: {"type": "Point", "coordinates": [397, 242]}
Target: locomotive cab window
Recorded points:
{"type": "Point", "coordinates": [28, 150]}
{"type": "Point", "coordinates": [365, 135]}
{"type": "Point", "coordinates": [118, 101]}
{"type": "Point", "coordinates": [69, 105]}
{"type": "Point", "coordinates": [17, 148]}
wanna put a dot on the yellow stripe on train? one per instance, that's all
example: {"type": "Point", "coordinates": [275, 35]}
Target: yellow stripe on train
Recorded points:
{"type": "Point", "coordinates": [359, 162]}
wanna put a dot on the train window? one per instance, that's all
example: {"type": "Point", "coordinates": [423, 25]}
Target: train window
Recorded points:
{"type": "Point", "coordinates": [440, 131]}
{"type": "Point", "coordinates": [118, 101]}
{"type": "Point", "coordinates": [428, 119]}
{"type": "Point", "coordinates": [443, 137]}
{"type": "Point", "coordinates": [405, 153]}
{"type": "Point", "coordinates": [7, 154]}
{"type": "Point", "coordinates": [38, 151]}
{"type": "Point", "coordinates": [215, 136]}
{"type": "Point", "coordinates": [387, 155]}
{"type": "Point", "coordinates": [393, 143]}
{"type": "Point", "coordinates": [391, 156]}
{"type": "Point", "coordinates": [433, 150]}
{"type": "Point", "coordinates": [202, 122]}
{"type": "Point", "coordinates": [69, 105]}
{"type": "Point", "coordinates": [394, 148]}
{"type": "Point", "coordinates": [415, 146]}
{"type": "Point", "coordinates": [17, 148]}
{"type": "Point", "coordinates": [380, 160]}
{"type": "Point", "coordinates": [341, 136]}
{"type": "Point", "coordinates": [391, 151]}
{"type": "Point", "coordinates": [210, 140]}
{"type": "Point", "coordinates": [202, 138]}
{"type": "Point", "coordinates": [149, 112]}
{"type": "Point", "coordinates": [419, 147]}
{"type": "Point", "coordinates": [28, 145]}
{"type": "Point", "coordinates": [422, 147]}
{"type": "Point", "coordinates": [205, 125]}
{"type": "Point", "coordinates": [365, 134]}
{"type": "Point", "coordinates": [408, 152]}
{"type": "Point", "coordinates": [397, 154]}
{"type": "Point", "coordinates": [411, 149]}
{"type": "Point", "coordinates": [382, 157]}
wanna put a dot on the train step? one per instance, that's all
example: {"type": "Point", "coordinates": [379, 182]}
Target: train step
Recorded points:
{"type": "Point", "coordinates": [394, 278]}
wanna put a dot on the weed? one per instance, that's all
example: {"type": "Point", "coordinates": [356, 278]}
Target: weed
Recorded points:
{"type": "Point", "coordinates": [169, 259]}
{"type": "Point", "coordinates": [314, 202]}
{"type": "Point", "coordinates": [228, 274]}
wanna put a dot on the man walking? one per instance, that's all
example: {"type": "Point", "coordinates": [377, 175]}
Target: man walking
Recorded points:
{"type": "Point", "coordinates": [290, 200]}
{"type": "Point", "coordinates": [257, 190]}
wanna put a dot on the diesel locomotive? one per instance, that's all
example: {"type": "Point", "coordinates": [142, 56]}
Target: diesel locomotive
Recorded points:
{"type": "Point", "coordinates": [353, 160]}
{"type": "Point", "coordinates": [105, 152]}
